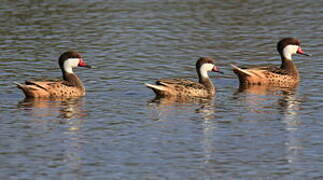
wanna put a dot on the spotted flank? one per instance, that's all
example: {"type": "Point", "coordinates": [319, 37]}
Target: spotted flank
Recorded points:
{"type": "Point", "coordinates": [179, 87]}
{"type": "Point", "coordinates": [285, 76]}
{"type": "Point", "coordinates": [185, 88]}
{"type": "Point", "coordinates": [50, 89]}
{"type": "Point", "coordinates": [70, 86]}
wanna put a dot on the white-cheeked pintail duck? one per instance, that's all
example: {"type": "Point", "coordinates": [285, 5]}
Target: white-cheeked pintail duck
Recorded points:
{"type": "Point", "coordinates": [285, 76]}
{"type": "Point", "coordinates": [70, 86]}
{"type": "Point", "coordinates": [185, 88]}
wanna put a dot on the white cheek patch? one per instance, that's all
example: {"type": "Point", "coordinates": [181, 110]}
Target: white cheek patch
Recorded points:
{"type": "Point", "coordinates": [70, 63]}
{"type": "Point", "coordinates": [289, 50]}
{"type": "Point", "coordinates": [205, 68]}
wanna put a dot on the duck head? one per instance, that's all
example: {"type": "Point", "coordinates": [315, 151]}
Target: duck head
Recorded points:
{"type": "Point", "coordinates": [70, 59]}
{"type": "Point", "coordinates": [289, 46]}
{"type": "Point", "coordinates": [204, 65]}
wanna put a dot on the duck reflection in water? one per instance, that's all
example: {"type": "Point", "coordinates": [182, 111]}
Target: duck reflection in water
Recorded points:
{"type": "Point", "coordinates": [54, 114]}
{"type": "Point", "coordinates": [47, 107]}
{"type": "Point", "coordinates": [203, 106]}
{"type": "Point", "coordinates": [175, 108]}
{"type": "Point", "coordinates": [265, 89]}
{"type": "Point", "coordinates": [173, 100]}
{"type": "Point", "coordinates": [258, 97]}
{"type": "Point", "coordinates": [288, 104]}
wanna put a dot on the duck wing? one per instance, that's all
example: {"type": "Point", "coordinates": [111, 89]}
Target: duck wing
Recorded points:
{"type": "Point", "coordinates": [179, 83]}
{"type": "Point", "coordinates": [259, 69]}
{"type": "Point", "coordinates": [47, 88]}
{"type": "Point", "coordinates": [41, 84]}
{"type": "Point", "coordinates": [34, 89]}
{"type": "Point", "coordinates": [271, 69]}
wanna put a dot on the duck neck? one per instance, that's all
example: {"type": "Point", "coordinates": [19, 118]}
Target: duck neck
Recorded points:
{"type": "Point", "coordinates": [205, 80]}
{"type": "Point", "coordinates": [73, 80]}
{"type": "Point", "coordinates": [289, 66]}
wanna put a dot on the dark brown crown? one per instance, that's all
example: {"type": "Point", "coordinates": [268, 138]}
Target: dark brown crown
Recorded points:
{"type": "Point", "coordinates": [285, 42]}
{"type": "Point", "coordinates": [66, 55]}
{"type": "Point", "coordinates": [203, 60]}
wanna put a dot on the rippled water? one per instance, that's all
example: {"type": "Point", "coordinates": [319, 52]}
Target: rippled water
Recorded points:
{"type": "Point", "coordinates": [116, 132]}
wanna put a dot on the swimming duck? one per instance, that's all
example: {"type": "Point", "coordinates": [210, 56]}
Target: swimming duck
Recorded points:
{"type": "Point", "coordinates": [185, 88]}
{"type": "Point", "coordinates": [285, 76]}
{"type": "Point", "coordinates": [71, 86]}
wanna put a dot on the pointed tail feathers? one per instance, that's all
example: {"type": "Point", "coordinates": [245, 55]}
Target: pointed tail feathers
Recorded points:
{"type": "Point", "coordinates": [32, 90]}
{"type": "Point", "coordinates": [18, 85]}
{"type": "Point", "coordinates": [24, 86]}
{"type": "Point", "coordinates": [236, 69]}
{"type": "Point", "coordinates": [155, 87]}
